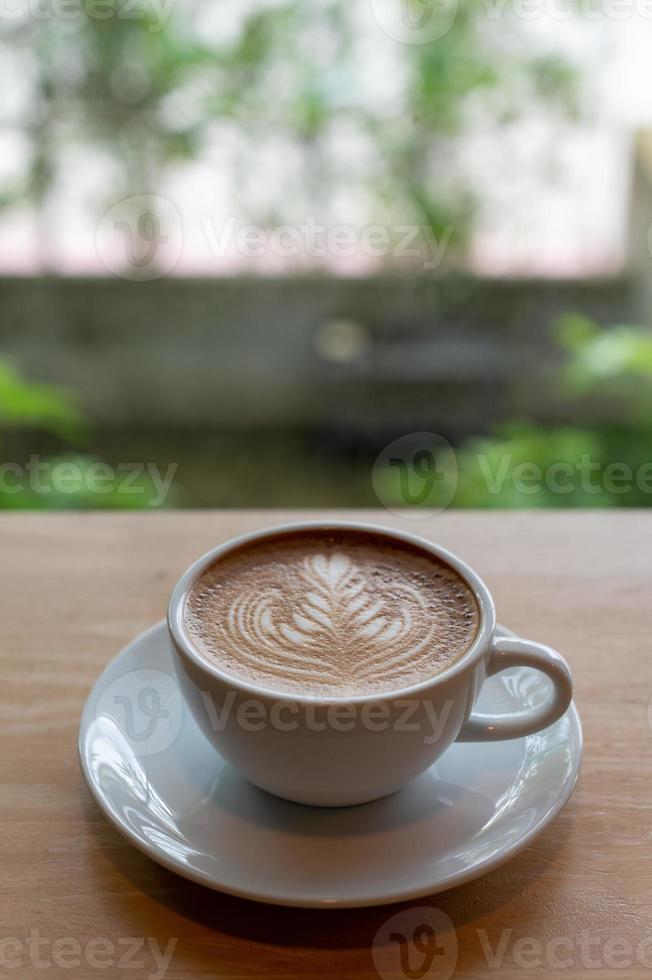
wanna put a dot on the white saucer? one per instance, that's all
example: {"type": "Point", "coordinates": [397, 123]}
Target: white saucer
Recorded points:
{"type": "Point", "coordinates": [161, 784]}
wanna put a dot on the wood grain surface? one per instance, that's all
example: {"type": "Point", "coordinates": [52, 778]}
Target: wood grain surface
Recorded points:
{"type": "Point", "coordinates": [76, 588]}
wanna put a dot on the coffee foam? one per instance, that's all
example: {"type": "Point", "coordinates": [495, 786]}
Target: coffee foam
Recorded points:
{"type": "Point", "coordinates": [332, 613]}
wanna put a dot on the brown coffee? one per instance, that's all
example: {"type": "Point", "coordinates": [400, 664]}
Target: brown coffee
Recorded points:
{"type": "Point", "coordinates": [339, 612]}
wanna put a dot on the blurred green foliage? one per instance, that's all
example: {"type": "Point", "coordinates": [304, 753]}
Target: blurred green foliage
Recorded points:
{"type": "Point", "coordinates": [286, 77]}
{"type": "Point", "coordinates": [59, 482]}
{"type": "Point", "coordinates": [525, 465]}
{"type": "Point", "coordinates": [144, 87]}
{"type": "Point", "coordinates": [602, 466]}
{"type": "Point", "coordinates": [26, 404]}
{"type": "Point", "coordinates": [616, 363]}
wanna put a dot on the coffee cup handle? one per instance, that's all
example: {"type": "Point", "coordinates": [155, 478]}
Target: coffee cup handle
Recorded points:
{"type": "Point", "coordinates": [507, 652]}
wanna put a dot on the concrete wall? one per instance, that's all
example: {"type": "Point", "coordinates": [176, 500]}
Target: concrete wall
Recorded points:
{"type": "Point", "coordinates": [459, 354]}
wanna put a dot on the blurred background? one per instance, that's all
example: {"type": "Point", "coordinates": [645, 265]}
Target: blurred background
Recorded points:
{"type": "Point", "coordinates": [278, 254]}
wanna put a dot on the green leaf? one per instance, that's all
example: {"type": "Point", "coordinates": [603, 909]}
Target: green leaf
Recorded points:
{"type": "Point", "coordinates": [28, 403]}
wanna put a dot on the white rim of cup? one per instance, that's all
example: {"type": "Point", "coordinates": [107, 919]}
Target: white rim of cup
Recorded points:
{"type": "Point", "coordinates": [184, 646]}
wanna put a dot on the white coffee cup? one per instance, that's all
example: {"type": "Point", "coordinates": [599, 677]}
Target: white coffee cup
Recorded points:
{"type": "Point", "coordinates": [338, 751]}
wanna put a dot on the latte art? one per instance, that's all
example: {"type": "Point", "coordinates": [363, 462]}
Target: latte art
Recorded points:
{"type": "Point", "coordinates": [336, 611]}
{"type": "Point", "coordinates": [331, 614]}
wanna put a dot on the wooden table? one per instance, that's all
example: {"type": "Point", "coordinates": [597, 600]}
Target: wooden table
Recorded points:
{"type": "Point", "coordinates": [76, 588]}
